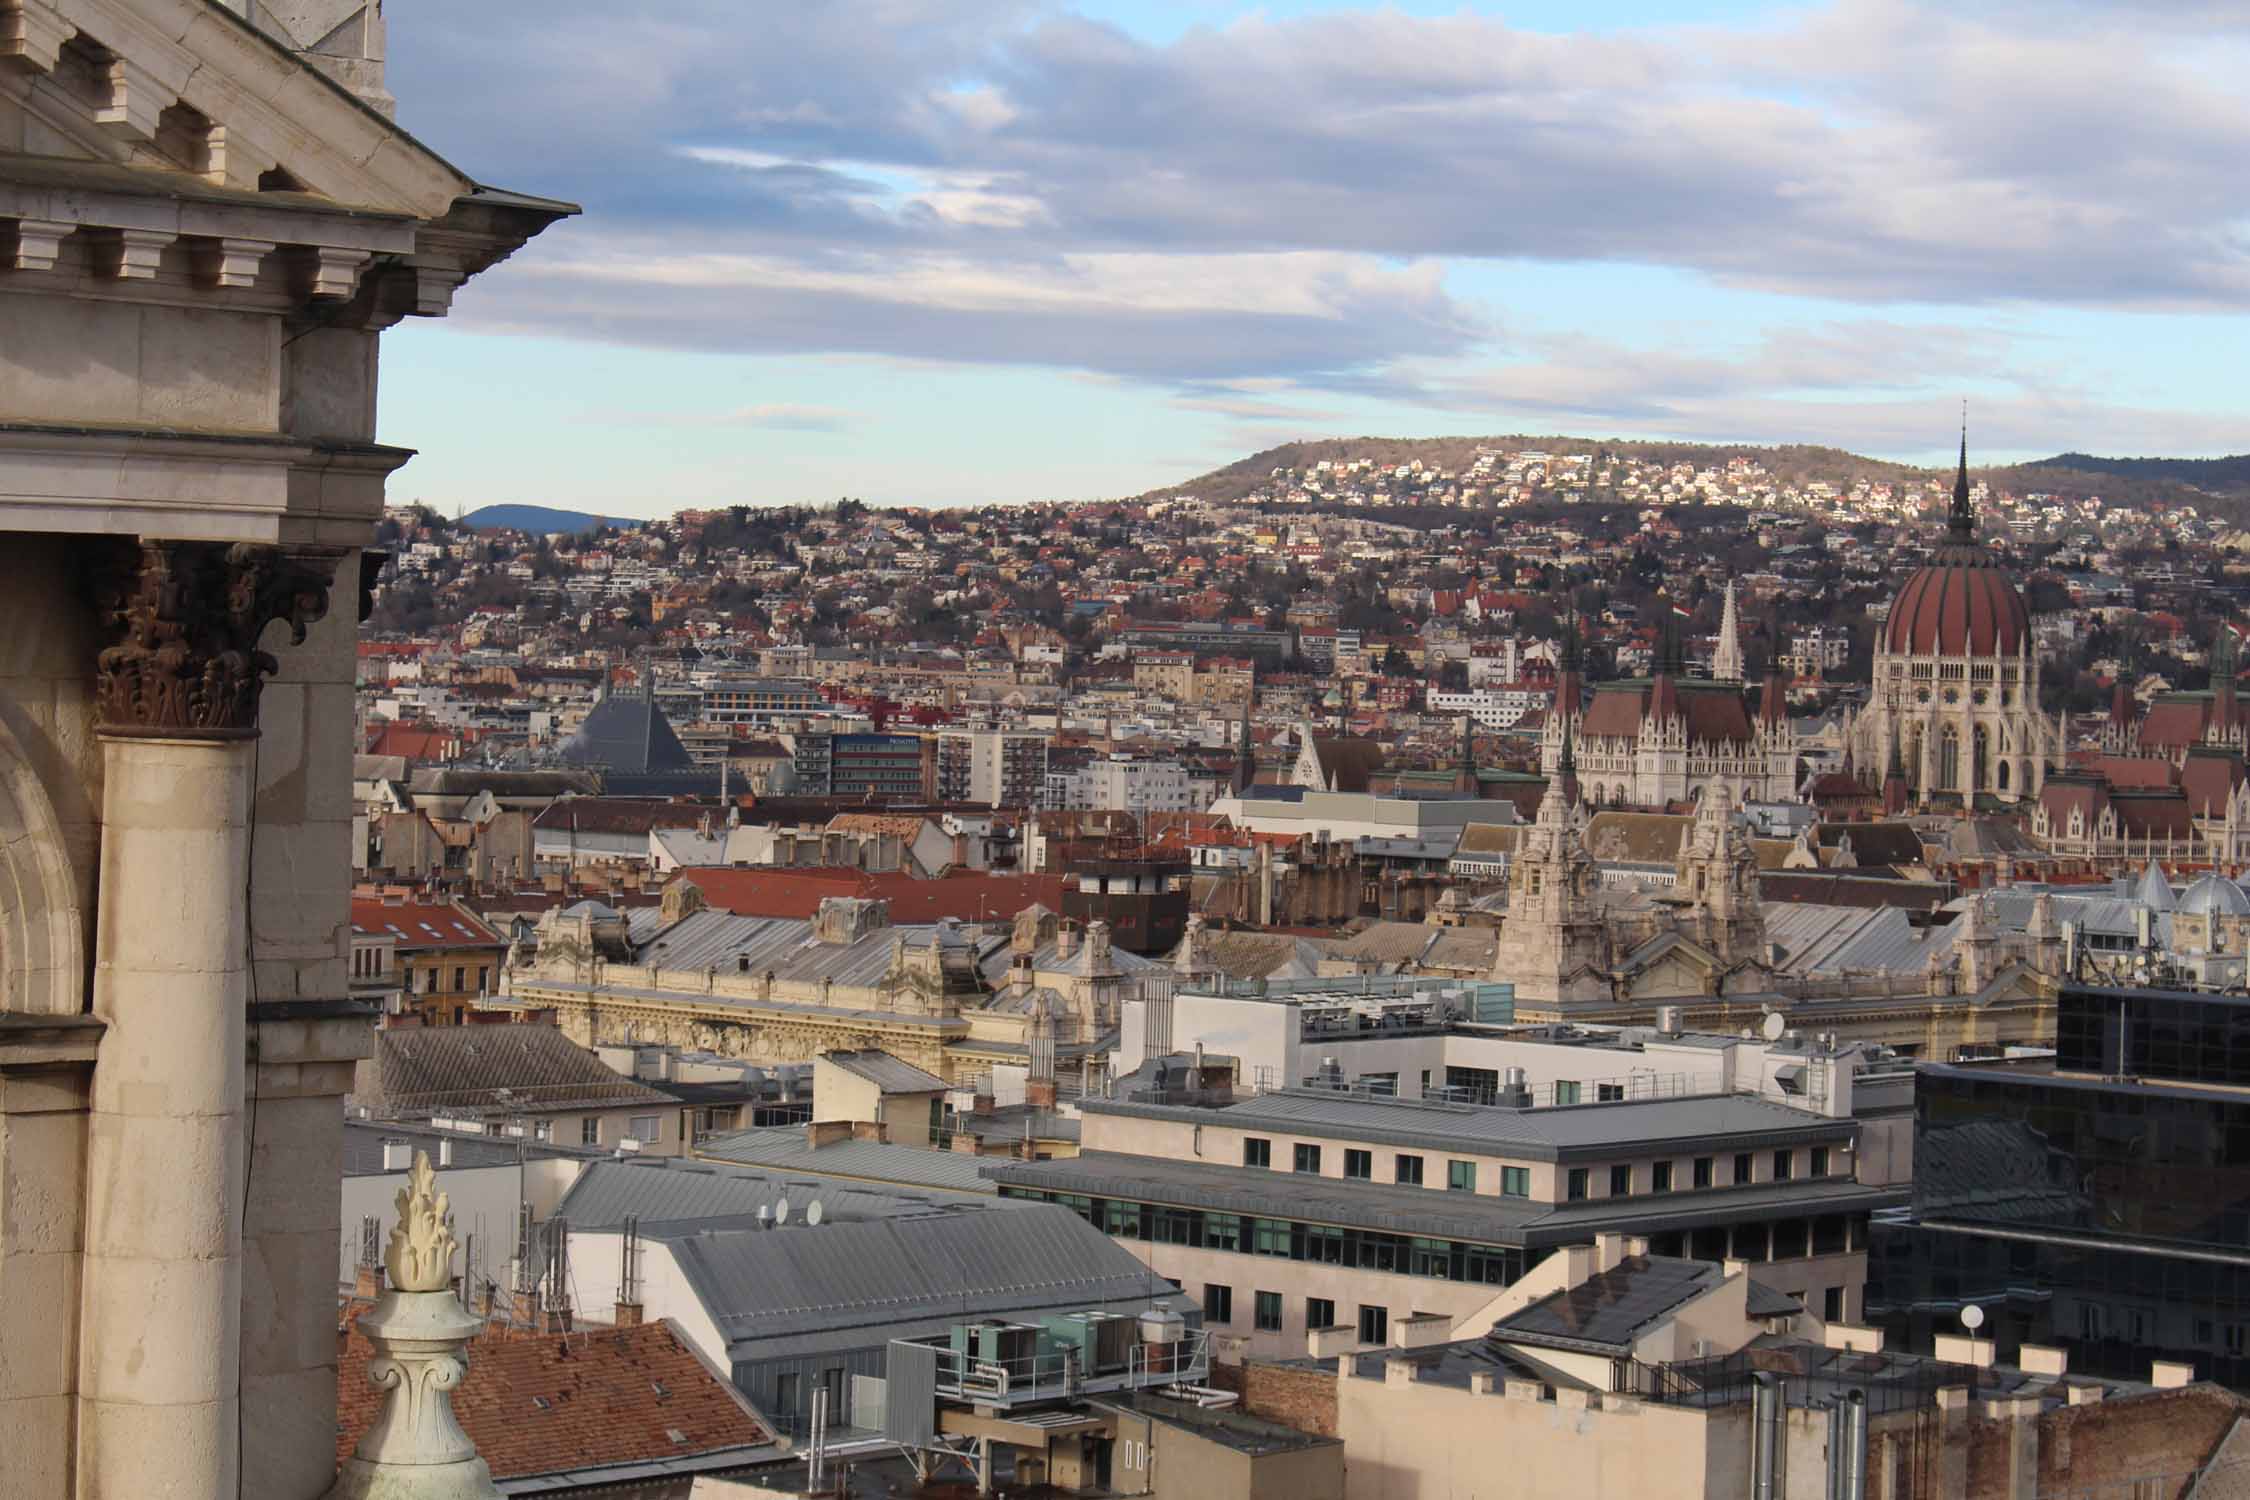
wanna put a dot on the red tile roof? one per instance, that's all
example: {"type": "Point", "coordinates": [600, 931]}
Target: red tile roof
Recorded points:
{"type": "Point", "coordinates": [554, 1403]}
{"type": "Point", "coordinates": [414, 742]}
{"type": "Point", "coordinates": [420, 924]}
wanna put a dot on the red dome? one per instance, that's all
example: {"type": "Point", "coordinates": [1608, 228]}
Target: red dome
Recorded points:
{"type": "Point", "coordinates": [1960, 605]}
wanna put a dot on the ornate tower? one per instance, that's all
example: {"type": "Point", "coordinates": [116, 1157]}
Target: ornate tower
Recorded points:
{"type": "Point", "coordinates": [1718, 871]}
{"type": "Point", "coordinates": [1726, 662]}
{"type": "Point", "coordinates": [1554, 945]}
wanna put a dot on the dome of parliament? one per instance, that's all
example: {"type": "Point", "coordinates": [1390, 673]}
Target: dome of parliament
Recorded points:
{"type": "Point", "coordinates": [1962, 603]}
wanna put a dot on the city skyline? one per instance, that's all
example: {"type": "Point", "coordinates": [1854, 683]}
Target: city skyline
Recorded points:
{"type": "Point", "coordinates": [943, 253]}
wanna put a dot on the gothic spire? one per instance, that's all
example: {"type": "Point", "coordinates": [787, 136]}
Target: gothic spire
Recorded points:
{"type": "Point", "coordinates": [1573, 653]}
{"type": "Point", "coordinates": [1726, 661]}
{"type": "Point", "coordinates": [1962, 524]}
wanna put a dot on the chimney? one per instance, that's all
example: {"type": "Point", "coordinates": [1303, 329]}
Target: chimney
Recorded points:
{"type": "Point", "coordinates": [1066, 941]}
{"type": "Point", "coordinates": [1040, 1093]}
{"type": "Point", "coordinates": [628, 1315]}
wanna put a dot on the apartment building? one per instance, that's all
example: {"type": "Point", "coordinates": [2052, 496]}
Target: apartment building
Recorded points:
{"type": "Point", "coordinates": [1305, 1209]}
{"type": "Point", "coordinates": [762, 701]}
{"type": "Point", "coordinates": [991, 767]}
{"type": "Point", "coordinates": [1123, 783]}
{"type": "Point", "coordinates": [873, 767]}
{"type": "Point", "coordinates": [433, 959]}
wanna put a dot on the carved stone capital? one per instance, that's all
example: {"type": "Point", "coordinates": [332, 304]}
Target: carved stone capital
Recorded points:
{"type": "Point", "coordinates": [181, 622]}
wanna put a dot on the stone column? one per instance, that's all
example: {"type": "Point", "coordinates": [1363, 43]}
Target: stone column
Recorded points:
{"type": "Point", "coordinates": [176, 708]}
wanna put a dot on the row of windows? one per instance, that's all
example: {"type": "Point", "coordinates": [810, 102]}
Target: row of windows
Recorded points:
{"type": "Point", "coordinates": [1290, 1239]}
{"type": "Point", "coordinates": [1266, 1313]}
{"type": "Point", "coordinates": [1625, 1178]}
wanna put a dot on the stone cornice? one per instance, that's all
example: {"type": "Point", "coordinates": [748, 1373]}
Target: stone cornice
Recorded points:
{"type": "Point", "coordinates": [183, 620]}
{"type": "Point", "coordinates": [234, 486]}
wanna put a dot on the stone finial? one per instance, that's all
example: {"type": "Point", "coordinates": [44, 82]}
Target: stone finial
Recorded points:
{"type": "Point", "coordinates": [420, 1255]}
{"type": "Point", "coordinates": [419, 1335]}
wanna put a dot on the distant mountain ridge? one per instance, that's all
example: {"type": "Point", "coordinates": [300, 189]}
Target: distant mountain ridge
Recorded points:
{"type": "Point", "coordinates": [2137, 481]}
{"type": "Point", "coordinates": [540, 519]}
{"type": "Point", "coordinates": [2218, 475]}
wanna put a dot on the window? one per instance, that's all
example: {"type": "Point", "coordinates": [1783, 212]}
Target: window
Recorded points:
{"type": "Point", "coordinates": [1269, 1312]}
{"type": "Point", "coordinates": [1360, 1165]}
{"type": "Point", "coordinates": [1409, 1170]}
{"type": "Point", "coordinates": [1566, 1092]}
{"type": "Point", "coordinates": [1578, 1184]}
{"type": "Point", "coordinates": [460, 979]}
{"type": "Point", "coordinates": [785, 1397]}
{"type": "Point", "coordinates": [1832, 1304]}
{"type": "Point", "coordinates": [1741, 1168]}
{"type": "Point", "coordinates": [1461, 1176]}
{"type": "Point", "coordinates": [1621, 1182]}
{"type": "Point", "coordinates": [1703, 1166]}
{"type": "Point", "coordinates": [1820, 1161]}
{"type": "Point", "coordinates": [1308, 1158]}
{"type": "Point", "coordinates": [1515, 1182]}
{"type": "Point", "coordinates": [1374, 1324]}
{"type": "Point", "coordinates": [1218, 1303]}
{"type": "Point", "coordinates": [1781, 1165]}
{"type": "Point", "coordinates": [484, 979]}
{"type": "Point", "coordinates": [1319, 1313]}
{"type": "Point", "coordinates": [646, 1129]}
{"type": "Point", "coordinates": [590, 1131]}
{"type": "Point", "coordinates": [1660, 1177]}
{"type": "Point", "coordinates": [1608, 1093]}
{"type": "Point", "coordinates": [1257, 1151]}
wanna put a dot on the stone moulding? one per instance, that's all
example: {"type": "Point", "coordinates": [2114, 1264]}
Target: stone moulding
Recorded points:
{"type": "Point", "coordinates": [42, 931]}
{"type": "Point", "coordinates": [183, 620]}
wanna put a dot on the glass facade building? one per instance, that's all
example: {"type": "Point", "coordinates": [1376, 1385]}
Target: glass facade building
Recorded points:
{"type": "Point", "coordinates": [2103, 1207]}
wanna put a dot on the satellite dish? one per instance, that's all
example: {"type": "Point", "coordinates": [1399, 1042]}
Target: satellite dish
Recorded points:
{"type": "Point", "coordinates": [1972, 1317]}
{"type": "Point", "coordinates": [1775, 1024]}
{"type": "Point", "coordinates": [812, 1212]}
{"type": "Point", "coordinates": [781, 1210]}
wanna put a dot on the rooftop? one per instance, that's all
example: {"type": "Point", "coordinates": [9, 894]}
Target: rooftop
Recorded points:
{"type": "Point", "coordinates": [1733, 1121]}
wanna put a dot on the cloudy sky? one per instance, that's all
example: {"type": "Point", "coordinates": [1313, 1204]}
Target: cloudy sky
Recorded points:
{"type": "Point", "coordinates": [947, 251]}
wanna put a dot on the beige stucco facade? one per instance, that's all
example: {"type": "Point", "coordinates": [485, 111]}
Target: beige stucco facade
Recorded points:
{"type": "Point", "coordinates": [201, 242]}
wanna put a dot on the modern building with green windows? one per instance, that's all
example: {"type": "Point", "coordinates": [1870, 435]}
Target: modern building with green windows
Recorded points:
{"type": "Point", "coordinates": [1297, 1210]}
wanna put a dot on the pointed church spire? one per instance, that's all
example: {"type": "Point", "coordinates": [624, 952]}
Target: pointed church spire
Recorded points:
{"type": "Point", "coordinates": [1726, 661]}
{"type": "Point", "coordinates": [1962, 524]}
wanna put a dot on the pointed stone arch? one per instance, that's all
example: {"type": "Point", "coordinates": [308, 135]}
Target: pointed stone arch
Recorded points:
{"type": "Point", "coordinates": [42, 930]}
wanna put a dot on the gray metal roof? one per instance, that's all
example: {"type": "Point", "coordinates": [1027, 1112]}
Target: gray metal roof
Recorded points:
{"type": "Point", "coordinates": [785, 946]}
{"type": "Point", "coordinates": [783, 1148]}
{"type": "Point", "coordinates": [1710, 1122]}
{"type": "Point", "coordinates": [681, 1194]}
{"type": "Point", "coordinates": [1607, 1311]}
{"type": "Point", "coordinates": [778, 1292]}
{"type": "Point", "coordinates": [888, 1073]}
{"type": "Point", "coordinates": [1852, 939]}
{"type": "Point", "coordinates": [1480, 1218]}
